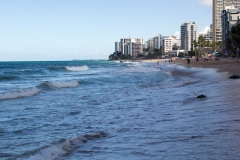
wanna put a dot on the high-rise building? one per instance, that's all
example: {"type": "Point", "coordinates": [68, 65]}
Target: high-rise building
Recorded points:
{"type": "Point", "coordinates": [155, 43]}
{"type": "Point", "coordinates": [230, 17]}
{"type": "Point", "coordinates": [218, 7]}
{"type": "Point", "coordinates": [189, 33]}
{"type": "Point", "coordinates": [117, 47]}
{"type": "Point", "coordinates": [131, 46]}
{"type": "Point", "coordinates": [150, 44]}
{"type": "Point", "coordinates": [170, 42]}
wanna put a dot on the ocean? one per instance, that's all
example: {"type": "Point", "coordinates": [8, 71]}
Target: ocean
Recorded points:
{"type": "Point", "coordinates": [107, 110]}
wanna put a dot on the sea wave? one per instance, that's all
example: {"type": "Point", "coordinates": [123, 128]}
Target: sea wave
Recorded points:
{"type": "Point", "coordinates": [8, 78]}
{"type": "Point", "coordinates": [56, 68]}
{"type": "Point", "coordinates": [77, 69]}
{"type": "Point", "coordinates": [61, 148]}
{"type": "Point", "coordinates": [26, 92]}
{"type": "Point", "coordinates": [64, 84]}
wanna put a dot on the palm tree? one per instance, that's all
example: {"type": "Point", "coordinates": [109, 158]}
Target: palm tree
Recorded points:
{"type": "Point", "coordinates": [229, 46]}
{"type": "Point", "coordinates": [201, 43]}
{"type": "Point", "coordinates": [218, 46]}
{"type": "Point", "coordinates": [235, 37]}
{"type": "Point", "coordinates": [195, 45]}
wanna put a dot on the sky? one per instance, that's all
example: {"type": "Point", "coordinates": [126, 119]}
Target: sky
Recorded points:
{"type": "Point", "coordinates": [49, 30]}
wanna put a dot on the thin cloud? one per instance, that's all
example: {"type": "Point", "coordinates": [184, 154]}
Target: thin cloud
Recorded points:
{"type": "Point", "coordinates": [205, 30]}
{"type": "Point", "coordinates": [177, 34]}
{"type": "Point", "coordinates": [205, 2]}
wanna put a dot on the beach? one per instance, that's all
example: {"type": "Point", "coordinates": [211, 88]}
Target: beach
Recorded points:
{"type": "Point", "coordinates": [231, 66]}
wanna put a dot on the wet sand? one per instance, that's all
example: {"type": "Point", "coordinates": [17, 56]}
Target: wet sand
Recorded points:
{"type": "Point", "coordinates": [231, 66]}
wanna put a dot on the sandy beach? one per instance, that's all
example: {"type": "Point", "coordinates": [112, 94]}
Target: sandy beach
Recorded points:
{"type": "Point", "coordinates": [224, 65]}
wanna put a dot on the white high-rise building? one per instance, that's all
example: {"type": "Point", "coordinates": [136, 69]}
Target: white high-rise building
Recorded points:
{"type": "Point", "coordinates": [117, 47]}
{"type": "Point", "coordinates": [167, 44]}
{"type": "Point", "coordinates": [189, 33]}
{"type": "Point", "coordinates": [170, 42]}
{"type": "Point", "coordinates": [150, 44]}
{"type": "Point", "coordinates": [155, 42]}
{"type": "Point", "coordinates": [132, 46]}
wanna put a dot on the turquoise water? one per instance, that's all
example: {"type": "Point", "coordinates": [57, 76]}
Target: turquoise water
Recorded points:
{"type": "Point", "coordinates": [108, 110]}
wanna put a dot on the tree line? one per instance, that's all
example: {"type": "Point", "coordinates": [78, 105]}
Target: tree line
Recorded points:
{"type": "Point", "coordinates": [203, 47]}
{"type": "Point", "coordinates": [232, 44]}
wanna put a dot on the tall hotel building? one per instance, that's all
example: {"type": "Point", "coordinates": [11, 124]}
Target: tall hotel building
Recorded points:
{"type": "Point", "coordinates": [218, 7]}
{"type": "Point", "coordinates": [131, 46]}
{"type": "Point", "coordinates": [189, 33]}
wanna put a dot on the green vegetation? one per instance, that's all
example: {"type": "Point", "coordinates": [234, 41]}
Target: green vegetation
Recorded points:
{"type": "Point", "coordinates": [202, 47]}
{"type": "Point", "coordinates": [233, 42]}
{"type": "Point", "coordinates": [181, 54]}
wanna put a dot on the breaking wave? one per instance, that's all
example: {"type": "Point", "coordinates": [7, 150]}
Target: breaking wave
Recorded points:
{"type": "Point", "coordinates": [64, 84]}
{"type": "Point", "coordinates": [77, 69]}
{"type": "Point", "coordinates": [61, 148]}
{"type": "Point", "coordinates": [26, 92]}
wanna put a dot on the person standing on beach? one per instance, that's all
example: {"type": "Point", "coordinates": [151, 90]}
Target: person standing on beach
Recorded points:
{"type": "Point", "coordinates": [188, 60]}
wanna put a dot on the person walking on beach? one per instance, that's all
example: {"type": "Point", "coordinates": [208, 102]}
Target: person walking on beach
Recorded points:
{"type": "Point", "coordinates": [188, 60]}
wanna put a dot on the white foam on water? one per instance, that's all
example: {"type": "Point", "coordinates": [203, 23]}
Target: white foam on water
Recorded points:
{"type": "Point", "coordinates": [64, 84]}
{"type": "Point", "coordinates": [66, 146]}
{"type": "Point", "coordinates": [52, 152]}
{"type": "Point", "coordinates": [77, 69]}
{"type": "Point", "coordinates": [26, 92]}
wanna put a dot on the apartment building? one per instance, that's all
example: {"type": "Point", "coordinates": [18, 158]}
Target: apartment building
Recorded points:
{"type": "Point", "coordinates": [155, 43]}
{"type": "Point", "coordinates": [230, 17]}
{"type": "Point", "coordinates": [189, 33]}
{"type": "Point", "coordinates": [131, 46]}
{"type": "Point", "coordinates": [150, 44]}
{"type": "Point", "coordinates": [170, 42]}
{"type": "Point", "coordinates": [218, 7]}
{"type": "Point", "coordinates": [117, 47]}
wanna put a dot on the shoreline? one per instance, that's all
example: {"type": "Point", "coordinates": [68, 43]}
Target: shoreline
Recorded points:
{"type": "Point", "coordinates": [231, 66]}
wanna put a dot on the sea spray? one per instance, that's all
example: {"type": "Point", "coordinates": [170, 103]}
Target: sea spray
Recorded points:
{"type": "Point", "coordinates": [64, 84]}
{"type": "Point", "coordinates": [77, 69]}
{"type": "Point", "coordinates": [26, 92]}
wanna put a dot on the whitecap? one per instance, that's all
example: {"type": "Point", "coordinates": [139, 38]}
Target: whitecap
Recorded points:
{"type": "Point", "coordinates": [64, 84]}
{"type": "Point", "coordinates": [77, 69]}
{"type": "Point", "coordinates": [51, 152]}
{"type": "Point", "coordinates": [26, 92]}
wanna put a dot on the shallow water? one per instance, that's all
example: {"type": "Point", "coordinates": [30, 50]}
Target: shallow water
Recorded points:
{"type": "Point", "coordinates": [108, 110]}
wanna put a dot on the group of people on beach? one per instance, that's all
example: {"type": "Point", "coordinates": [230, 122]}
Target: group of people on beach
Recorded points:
{"type": "Point", "coordinates": [169, 60]}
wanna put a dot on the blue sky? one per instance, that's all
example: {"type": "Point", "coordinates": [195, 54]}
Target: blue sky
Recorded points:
{"type": "Point", "coordinates": [87, 29]}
